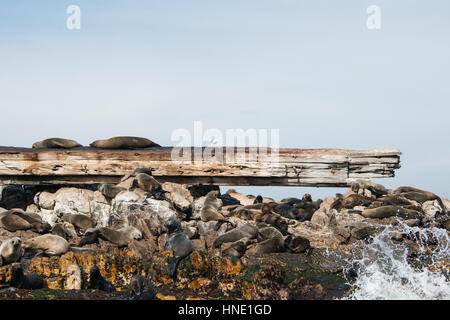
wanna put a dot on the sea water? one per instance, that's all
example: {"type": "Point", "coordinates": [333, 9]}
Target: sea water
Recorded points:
{"type": "Point", "coordinates": [385, 272]}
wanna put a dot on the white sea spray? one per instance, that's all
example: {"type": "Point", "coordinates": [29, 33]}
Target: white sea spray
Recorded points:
{"type": "Point", "coordinates": [385, 272]}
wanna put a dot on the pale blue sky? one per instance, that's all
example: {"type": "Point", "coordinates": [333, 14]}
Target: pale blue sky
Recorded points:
{"type": "Point", "coordinates": [310, 68]}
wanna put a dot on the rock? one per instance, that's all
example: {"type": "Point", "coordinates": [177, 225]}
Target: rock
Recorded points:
{"type": "Point", "coordinates": [198, 191]}
{"type": "Point", "coordinates": [16, 197]}
{"type": "Point", "coordinates": [190, 229]}
{"type": "Point", "coordinates": [73, 280]}
{"type": "Point", "coordinates": [179, 195]}
{"type": "Point", "coordinates": [126, 196]}
{"type": "Point", "coordinates": [73, 200]}
{"type": "Point", "coordinates": [344, 218]}
{"type": "Point", "coordinates": [32, 208]}
{"type": "Point", "coordinates": [397, 236]}
{"type": "Point", "coordinates": [343, 232]}
{"type": "Point", "coordinates": [326, 204]}
{"type": "Point", "coordinates": [149, 218]}
{"type": "Point", "coordinates": [430, 208]}
{"type": "Point", "coordinates": [48, 216]}
{"type": "Point", "coordinates": [162, 208]}
{"type": "Point", "coordinates": [45, 200]}
{"type": "Point", "coordinates": [362, 230]}
{"type": "Point", "coordinates": [162, 242]}
{"type": "Point", "coordinates": [320, 219]}
{"type": "Point", "coordinates": [143, 248]}
{"type": "Point", "coordinates": [446, 203]}
{"type": "Point", "coordinates": [412, 222]}
{"type": "Point", "coordinates": [100, 210]}
{"type": "Point", "coordinates": [199, 244]}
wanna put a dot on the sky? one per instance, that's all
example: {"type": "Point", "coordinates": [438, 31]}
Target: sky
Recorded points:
{"type": "Point", "coordinates": [311, 69]}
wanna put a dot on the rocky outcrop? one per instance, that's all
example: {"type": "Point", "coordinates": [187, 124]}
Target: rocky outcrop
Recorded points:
{"type": "Point", "coordinates": [216, 268]}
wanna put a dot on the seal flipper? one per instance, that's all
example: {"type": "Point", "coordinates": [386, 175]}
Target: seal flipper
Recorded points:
{"type": "Point", "coordinates": [89, 238]}
{"type": "Point", "coordinates": [220, 222]}
{"type": "Point", "coordinates": [173, 264]}
{"type": "Point", "coordinates": [442, 205]}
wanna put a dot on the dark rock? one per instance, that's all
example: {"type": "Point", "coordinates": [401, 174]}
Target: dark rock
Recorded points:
{"type": "Point", "coordinates": [199, 191]}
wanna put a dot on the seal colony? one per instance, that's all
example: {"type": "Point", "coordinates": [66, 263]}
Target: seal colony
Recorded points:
{"type": "Point", "coordinates": [141, 216]}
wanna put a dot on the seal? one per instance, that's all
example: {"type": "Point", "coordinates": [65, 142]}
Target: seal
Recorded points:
{"type": "Point", "coordinates": [377, 189]}
{"type": "Point", "coordinates": [96, 281]}
{"type": "Point", "coordinates": [270, 241]}
{"type": "Point", "coordinates": [29, 281]}
{"type": "Point", "coordinates": [90, 237]}
{"type": "Point", "coordinates": [13, 222]}
{"type": "Point", "coordinates": [11, 250]}
{"type": "Point", "coordinates": [420, 196]}
{"type": "Point", "coordinates": [258, 199]}
{"type": "Point", "coordinates": [351, 201]}
{"type": "Point", "coordinates": [176, 241]}
{"type": "Point", "coordinates": [394, 200]}
{"type": "Point", "coordinates": [124, 143]}
{"type": "Point", "coordinates": [228, 200]}
{"type": "Point", "coordinates": [56, 143]}
{"type": "Point", "coordinates": [146, 182]}
{"type": "Point", "coordinates": [237, 249]}
{"type": "Point", "coordinates": [291, 200]}
{"type": "Point", "coordinates": [119, 237]}
{"type": "Point", "coordinates": [245, 231]}
{"type": "Point", "coordinates": [58, 229]}
{"type": "Point", "coordinates": [137, 171]}
{"type": "Point", "coordinates": [296, 244]}
{"type": "Point", "coordinates": [210, 210]}
{"type": "Point", "coordinates": [142, 288]}
{"type": "Point", "coordinates": [389, 211]}
{"type": "Point", "coordinates": [406, 189]}
{"type": "Point", "coordinates": [80, 221]}
{"type": "Point", "coordinates": [110, 191]}
{"type": "Point", "coordinates": [35, 220]}
{"type": "Point", "coordinates": [267, 216]}
{"type": "Point", "coordinates": [286, 210]}
{"type": "Point", "coordinates": [51, 244]}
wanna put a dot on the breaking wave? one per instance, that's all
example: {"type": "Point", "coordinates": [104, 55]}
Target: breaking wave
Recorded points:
{"type": "Point", "coordinates": [416, 267]}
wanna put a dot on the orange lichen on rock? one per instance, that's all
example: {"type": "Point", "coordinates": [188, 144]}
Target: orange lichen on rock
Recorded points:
{"type": "Point", "coordinates": [231, 269]}
{"type": "Point", "coordinates": [248, 290]}
{"type": "Point", "coordinates": [163, 297]}
{"type": "Point", "coordinates": [199, 283]}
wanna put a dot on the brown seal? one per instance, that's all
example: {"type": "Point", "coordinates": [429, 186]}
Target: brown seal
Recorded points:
{"type": "Point", "coordinates": [11, 250]}
{"type": "Point", "coordinates": [110, 191]}
{"type": "Point", "coordinates": [270, 241]}
{"type": "Point", "coordinates": [124, 143]}
{"type": "Point", "coordinates": [56, 143]}
{"type": "Point", "coordinates": [51, 244]}
{"type": "Point", "coordinates": [80, 221]}
{"type": "Point", "coordinates": [389, 211]}
{"type": "Point", "coordinates": [12, 222]}
{"type": "Point", "coordinates": [119, 237]}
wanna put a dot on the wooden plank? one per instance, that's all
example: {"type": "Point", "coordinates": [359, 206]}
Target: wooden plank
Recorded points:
{"type": "Point", "coordinates": [301, 167]}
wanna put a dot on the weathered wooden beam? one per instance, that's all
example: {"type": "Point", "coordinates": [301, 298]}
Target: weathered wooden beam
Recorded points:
{"type": "Point", "coordinates": [227, 166]}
